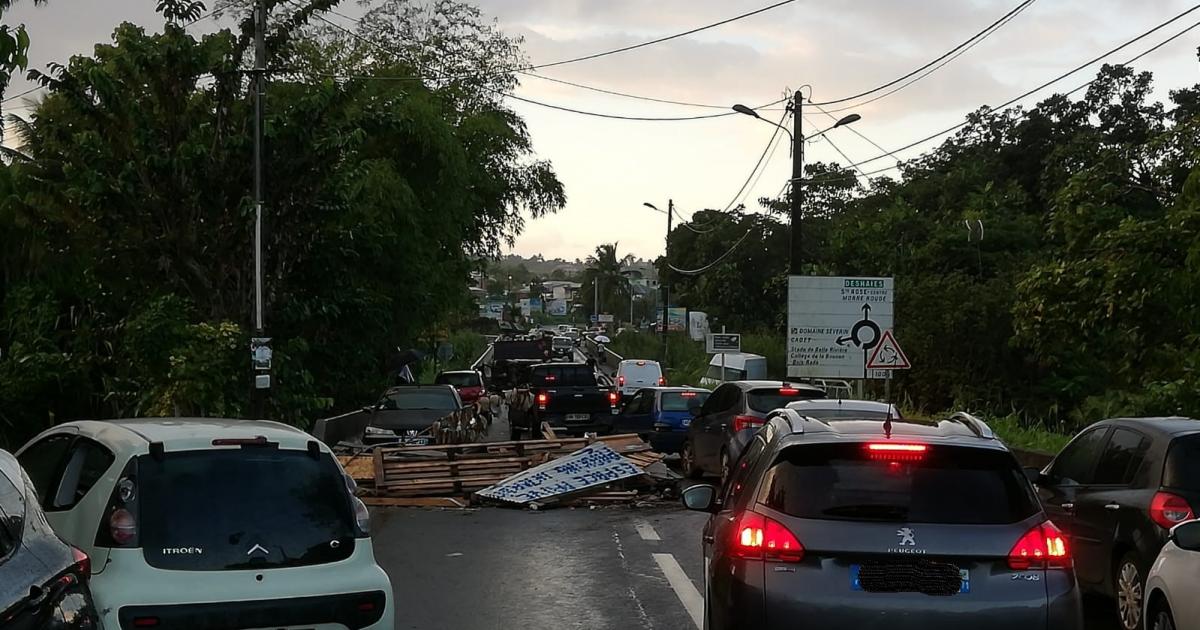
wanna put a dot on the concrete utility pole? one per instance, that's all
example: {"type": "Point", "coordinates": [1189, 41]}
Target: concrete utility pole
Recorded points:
{"type": "Point", "coordinates": [261, 385]}
{"type": "Point", "coordinates": [797, 235]}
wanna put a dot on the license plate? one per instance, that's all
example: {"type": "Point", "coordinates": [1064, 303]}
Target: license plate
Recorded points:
{"type": "Point", "coordinates": [963, 574]}
{"type": "Point", "coordinates": [579, 417]}
{"type": "Point", "coordinates": [415, 441]}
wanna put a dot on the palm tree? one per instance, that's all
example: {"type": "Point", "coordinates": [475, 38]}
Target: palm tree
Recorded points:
{"type": "Point", "coordinates": [604, 269]}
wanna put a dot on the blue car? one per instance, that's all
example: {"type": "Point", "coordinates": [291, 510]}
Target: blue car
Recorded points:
{"type": "Point", "coordinates": [661, 415]}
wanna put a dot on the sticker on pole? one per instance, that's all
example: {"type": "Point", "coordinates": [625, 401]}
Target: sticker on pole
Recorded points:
{"type": "Point", "coordinates": [888, 355]}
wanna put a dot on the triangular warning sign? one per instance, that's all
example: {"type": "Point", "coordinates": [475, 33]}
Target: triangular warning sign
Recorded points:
{"type": "Point", "coordinates": [888, 355]}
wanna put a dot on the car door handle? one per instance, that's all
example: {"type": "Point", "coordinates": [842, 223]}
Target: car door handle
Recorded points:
{"type": "Point", "coordinates": [1112, 507]}
{"type": "Point", "coordinates": [1068, 506]}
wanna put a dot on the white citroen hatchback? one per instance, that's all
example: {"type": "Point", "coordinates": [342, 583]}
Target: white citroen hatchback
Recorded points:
{"type": "Point", "coordinates": [202, 523]}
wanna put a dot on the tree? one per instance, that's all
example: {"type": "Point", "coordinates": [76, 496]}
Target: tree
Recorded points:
{"type": "Point", "coordinates": [14, 46]}
{"type": "Point", "coordinates": [603, 271]}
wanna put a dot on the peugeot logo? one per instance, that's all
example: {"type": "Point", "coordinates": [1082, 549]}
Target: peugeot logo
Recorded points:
{"type": "Point", "coordinates": [258, 547]}
{"type": "Point", "coordinates": [906, 535]}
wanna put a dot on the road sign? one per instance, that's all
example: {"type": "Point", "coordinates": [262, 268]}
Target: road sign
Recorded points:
{"type": "Point", "coordinates": [594, 318]}
{"type": "Point", "coordinates": [888, 355]}
{"type": "Point", "coordinates": [724, 342]}
{"type": "Point", "coordinates": [605, 318]}
{"type": "Point", "coordinates": [835, 322]}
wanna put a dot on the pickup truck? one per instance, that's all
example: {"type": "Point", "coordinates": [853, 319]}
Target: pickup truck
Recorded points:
{"type": "Point", "coordinates": [570, 398]}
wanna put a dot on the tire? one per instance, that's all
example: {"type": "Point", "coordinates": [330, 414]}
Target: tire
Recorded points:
{"type": "Point", "coordinates": [1161, 618]}
{"type": "Point", "coordinates": [725, 467]}
{"type": "Point", "coordinates": [1129, 582]}
{"type": "Point", "coordinates": [687, 461]}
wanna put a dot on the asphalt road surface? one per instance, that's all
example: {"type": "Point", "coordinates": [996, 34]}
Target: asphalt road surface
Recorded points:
{"type": "Point", "coordinates": [501, 569]}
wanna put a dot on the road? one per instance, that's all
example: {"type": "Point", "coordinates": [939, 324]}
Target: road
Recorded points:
{"type": "Point", "coordinates": [497, 569]}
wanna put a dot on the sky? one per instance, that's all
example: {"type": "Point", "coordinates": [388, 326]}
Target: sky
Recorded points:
{"type": "Point", "coordinates": [609, 168]}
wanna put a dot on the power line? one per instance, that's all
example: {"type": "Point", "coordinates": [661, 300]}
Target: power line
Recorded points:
{"type": "Point", "coordinates": [826, 137]}
{"type": "Point", "coordinates": [947, 61]}
{"type": "Point", "coordinates": [25, 93]}
{"type": "Point", "coordinates": [984, 33]}
{"type": "Point", "coordinates": [733, 202]}
{"type": "Point", "coordinates": [622, 94]}
{"type": "Point", "coordinates": [696, 272]}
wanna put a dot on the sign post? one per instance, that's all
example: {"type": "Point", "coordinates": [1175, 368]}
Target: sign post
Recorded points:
{"type": "Point", "coordinates": [723, 343]}
{"type": "Point", "coordinates": [834, 324]}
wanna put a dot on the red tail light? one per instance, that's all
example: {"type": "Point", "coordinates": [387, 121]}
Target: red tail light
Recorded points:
{"type": "Point", "coordinates": [741, 423]}
{"type": "Point", "coordinates": [542, 399]}
{"type": "Point", "coordinates": [621, 380]}
{"type": "Point", "coordinates": [122, 526]}
{"type": "Point", "coordinates": [613, 398]}
{"type": "Point", "coordinates": [788, 391]}
{"type": "Point", "coordinates": [762, 538]}
{"type": "Point", "coordinates": [83, 564]}
{"type": "Point", "coordinates": [662, 380]}
{"type": "Point", "coordinates": [687, 394]}
{"type": "Point", "coordinates": [1043, 546]}
{"type": "Point", "coordinates": [897, 452]}
{"type": "Point", "coordinates": [145, 622]}
{"type": "Point", "coordinates": [1168, 510]}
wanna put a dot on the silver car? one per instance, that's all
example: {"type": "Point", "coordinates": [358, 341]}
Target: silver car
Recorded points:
{"type": "Point", "coordinates": [1171, 602]}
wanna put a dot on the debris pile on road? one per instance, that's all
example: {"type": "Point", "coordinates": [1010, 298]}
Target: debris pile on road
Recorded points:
{"type": "Point", "coordinates": [453, 474]}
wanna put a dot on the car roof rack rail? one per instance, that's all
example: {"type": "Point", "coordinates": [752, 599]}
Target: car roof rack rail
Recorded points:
{"type": "Point", "coordinates": [977, 426]}
{"type": "Point", "coordinates": [796, 419]}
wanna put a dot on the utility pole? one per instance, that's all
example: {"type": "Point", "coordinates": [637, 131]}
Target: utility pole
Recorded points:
{"type": "Point", "coordinates": [797, 235]}
{"type": "Point", "coordinates": [262, 375]}
{"type": "Point", "coordinates": [666, 288]}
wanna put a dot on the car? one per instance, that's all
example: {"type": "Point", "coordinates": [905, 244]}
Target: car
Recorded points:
{"type": "Point", "coordinates": [837, 408]}
{"type": "Point", "coordinates": [1116, 490]}
{"type": "Point", "coordinates": [563, 347]}
{"type": "Point", "coordinates": [43, 580]}
{"type": "Point", "coordinates": [403, 413]}
{"type": "Point", "coordinates": [571, 398]}
{"type": "Point", "coordinates": [660, 414]}
{"type": "Point", "coordinates": [207, 523]}
{"type": "Point", "coordinates": [728, 420]}
{"type": "Point", "coordinates": [881, 524]}
{"type": "Point", "coordinates": [634, 374]}
{"type": "Point", "coordinates": [468, 384]}
{"type": "Point", "coordinates": [1171, 602]}
{"type": "Point", "coordinates": [734, 366]}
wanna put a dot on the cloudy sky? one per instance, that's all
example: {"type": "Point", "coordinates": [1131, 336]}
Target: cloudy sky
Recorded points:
{"type": "Point", "coordinates": [610, 167]}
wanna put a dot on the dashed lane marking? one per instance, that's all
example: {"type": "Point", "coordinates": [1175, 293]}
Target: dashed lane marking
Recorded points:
{"type": "Point", "coordinates": [646, 530]}
{"type": "Point", "coordinates": [683, 587]}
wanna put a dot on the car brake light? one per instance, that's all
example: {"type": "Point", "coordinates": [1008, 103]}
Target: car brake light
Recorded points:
{"type": "Point", "coordinates": [1043, 546]}
{"type": "Point", "coordinates": [122, 526]}
{"type": "Point", "coordinates": [741, 423]}
{"type": "Point", "coordinates": [145, 622]}
{"type": "Point", "coordinates": [366, 607]}
{"type": "Point", "coordinates": [662, 380]}
{"type": "Point", "coordinates": [641, 363]}
{"type": "Point", "coordinates": [621, 380]}
{"type": "Point", "coordinates": [83, 564]}
{"type": "Point", "coordinates": [897, 452]}
{"type": "Point", "coordinates": [1168, 510]}
{"type": "Point", "coordinates": [761, 538]}
{"type": "Point", "coordinates": [613, 397]}
{"type": "Point", "coordinates": [542, 399]}
{"type": "Point", "coordinates": [788, 391]}
{"type": "Point", "coordinates": [688, 394]}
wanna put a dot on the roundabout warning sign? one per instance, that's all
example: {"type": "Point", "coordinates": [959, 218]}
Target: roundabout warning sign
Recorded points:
{"type": "Point", "coordinates": [836, 324]}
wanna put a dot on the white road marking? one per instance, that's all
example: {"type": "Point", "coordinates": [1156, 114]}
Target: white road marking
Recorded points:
{"type": "Point", "coordinates": [683, 587]}
{"type": "Point", "coordinates": [646, 530]}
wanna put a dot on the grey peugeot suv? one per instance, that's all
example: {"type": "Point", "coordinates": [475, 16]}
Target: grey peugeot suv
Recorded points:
{"type": "Point", "coordinates": [881, 524]}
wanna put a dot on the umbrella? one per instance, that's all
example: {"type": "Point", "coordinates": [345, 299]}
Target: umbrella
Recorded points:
{"type": "Point", "coordinates": [405, 357]}
{"type": "Point", "coordinates": [602, 339]}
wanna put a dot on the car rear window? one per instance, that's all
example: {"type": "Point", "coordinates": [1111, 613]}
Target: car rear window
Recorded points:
{"type": "Point", "coordinates": [770, 399]}
{"type": "Point", "coordinates": [420, 398]}
{"type": "Point", "coordinates": [682, 401]}
{"type": "Point", "coordinates": [648, 372]}
{"type": "Point", "coordinates": [1182, 469]}
{"type": "Point", "coordinates": [564, 376]}
{"type": "Point", "coordinates": [945, 484]}
{"type": "Point", "coordinates": [244, 508]}
{"type": "Point", "coordinates": [458, 380]}
{"type": "Point", "coordinates": [563, 342]}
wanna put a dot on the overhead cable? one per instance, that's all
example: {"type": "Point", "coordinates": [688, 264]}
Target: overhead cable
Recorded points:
{"type": "Point", "coordinates": [696, 272]}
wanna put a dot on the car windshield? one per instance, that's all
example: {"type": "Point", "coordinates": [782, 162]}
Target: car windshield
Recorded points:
{"type": "Point", "coordinates": [459, 379]}
{"type": "Point", "coordinates": [1182, 469]}
{"type": "Point", "coordinates": [406, 399]}
{"type": "Point", "coordinates": [242, 508]}
{"type": "Point", "coordinates": [564, 376]}
{"type": "Point", "coordinates": [944, 484]}
{"type": "Point", "coordinates": [682, 401]}
{"type": "Point", "coordinates": [769, 399]}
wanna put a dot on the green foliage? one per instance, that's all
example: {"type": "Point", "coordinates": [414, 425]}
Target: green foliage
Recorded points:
{"type": "Point", "coordinates": [14, 46]}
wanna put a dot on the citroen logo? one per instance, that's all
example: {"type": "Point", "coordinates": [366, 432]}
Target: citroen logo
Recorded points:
{"type": "Point", "coordinates": [258, 547]}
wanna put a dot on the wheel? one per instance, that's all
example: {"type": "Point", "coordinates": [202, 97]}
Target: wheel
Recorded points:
{"type": "Point", "coordinates": [725, 467]}
{"type": "Point", "coordinates": [1130, 581]}
{"type": "Point", "coordinates": [1161, 618]}
{"type": "Point", "coordinates": [687, 461]}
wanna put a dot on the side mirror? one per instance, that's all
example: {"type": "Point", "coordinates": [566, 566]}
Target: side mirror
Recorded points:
{"type": "Point", "coordinates": [700, 497]}
{"type": "Point", "coordinates": [1187, 536]}
{"type": "Point", "coordinates": [695, 411]}
{"type": "Point", "coordinates": [368, 409]}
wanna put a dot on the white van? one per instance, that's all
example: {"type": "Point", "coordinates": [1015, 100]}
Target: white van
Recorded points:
{"type": "Point", "coordinates": [739, 366]}
{"type": "Point", "coordinates": [634, 374]}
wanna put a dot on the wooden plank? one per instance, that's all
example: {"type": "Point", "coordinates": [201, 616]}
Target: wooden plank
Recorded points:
{"type": "Point", "coordinates": [417, 483]}
{"type": "Point", "coordinates": [448, 502]}
{"type": "Point", "coordinates": [377, 456]}
{"type": "Point", "coordinates": [548, 431]}
{"type": "Point", "coordinates": [391, 469]}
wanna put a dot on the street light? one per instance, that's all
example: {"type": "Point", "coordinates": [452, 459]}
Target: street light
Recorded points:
{"type": "Point", "coordinates": [665, 286]}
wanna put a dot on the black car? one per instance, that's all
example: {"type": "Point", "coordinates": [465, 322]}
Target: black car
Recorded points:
{"type": "Point", "coordinates": [728, 420]}
{"type": "Point", "coordinates": [403, 413]}
{"type": "Point", "coordinates": [881, 524]}
{"type": "Point", "coordinates": [43, 580]}
{"type": "Point", "coordinates": [1116, 490]}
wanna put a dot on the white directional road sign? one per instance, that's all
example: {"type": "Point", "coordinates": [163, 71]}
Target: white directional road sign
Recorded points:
{"type": "Point", "coordinates": [835, 322]}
